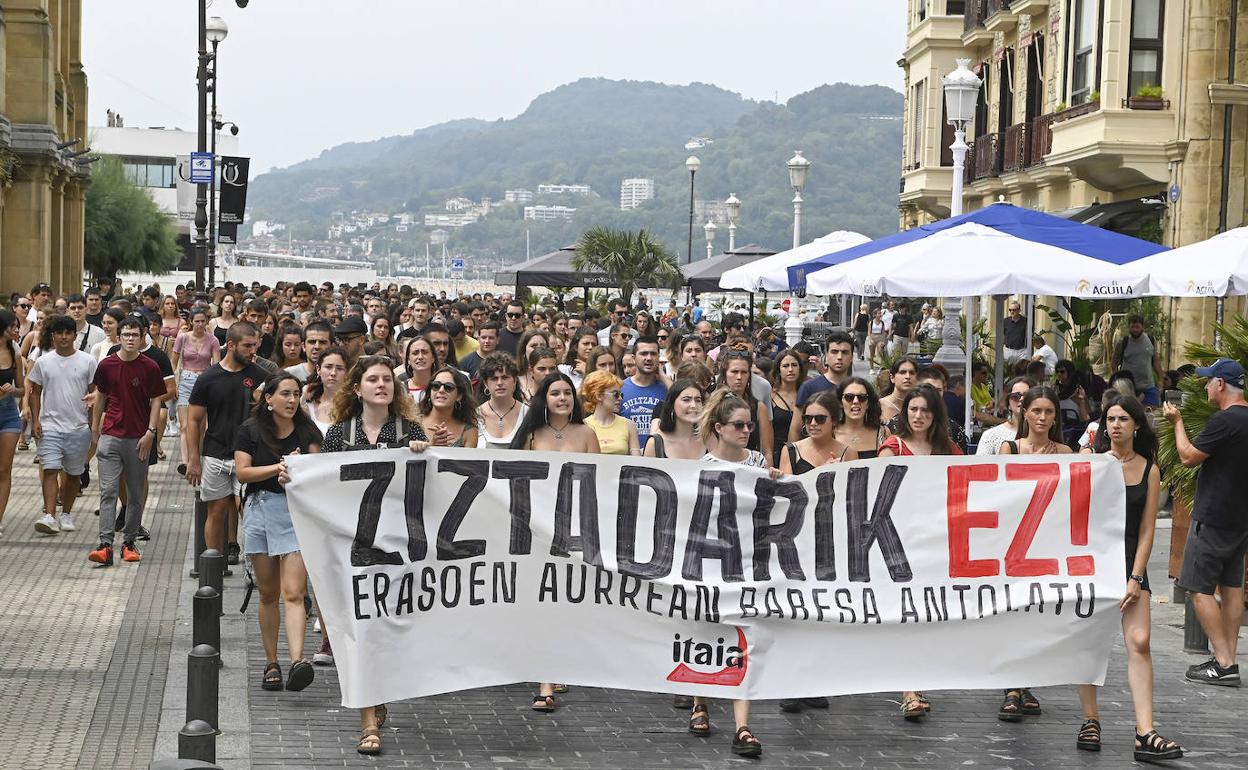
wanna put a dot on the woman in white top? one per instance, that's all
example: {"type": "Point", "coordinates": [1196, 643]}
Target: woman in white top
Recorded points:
{"type": "Point", "coordinates": [112, 317]}
{"type": "Point", "coordinates": [503, 409]}
{"type": "Point", "coordinates": [319, 393]}
{"type": "Point", "coordinates": [419, 360]}
{"type": "Point", "coordinates": [994, 437]}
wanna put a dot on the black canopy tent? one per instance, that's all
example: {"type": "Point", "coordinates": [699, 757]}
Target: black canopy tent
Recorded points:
{"type": "Point", "coordinates": [703, 276]}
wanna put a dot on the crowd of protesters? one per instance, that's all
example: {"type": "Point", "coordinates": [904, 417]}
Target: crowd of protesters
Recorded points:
{"type": "Point", "coordinates": [246, 376]}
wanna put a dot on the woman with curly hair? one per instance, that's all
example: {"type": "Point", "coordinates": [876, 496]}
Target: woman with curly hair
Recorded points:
{"type": "Point", "coordinates": [502, 407]}
{"type": "Point", "coordinates": [600, 398]}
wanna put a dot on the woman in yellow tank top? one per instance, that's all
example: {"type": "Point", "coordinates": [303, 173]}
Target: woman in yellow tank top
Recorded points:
{"type": "Point", "coordinates": [600, 397]}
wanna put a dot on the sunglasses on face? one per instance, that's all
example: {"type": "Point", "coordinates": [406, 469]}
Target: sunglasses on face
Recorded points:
{"type": "Point", "coordinates": [745, 425]}
{"type": "Point", "coordinates": [1016, 396]}
{"type": "Point", "coordinates": [855, 397]}
{"type": "Point", "coordinates": [434, 387]}
{"type": "Point", "coordinates": [24, 305]}
{"type": "Point", "coordinates": [515, 315]}
{"type": "Point", "coordinates": [814, 419]}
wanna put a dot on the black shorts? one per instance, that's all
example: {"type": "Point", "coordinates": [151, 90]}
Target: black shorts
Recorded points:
{"type": "Point", "coordinates": [1214, 557]}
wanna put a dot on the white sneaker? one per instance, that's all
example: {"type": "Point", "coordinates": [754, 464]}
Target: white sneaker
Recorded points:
{"type": "Point", "coordinates": [172, 430]}
{"type": "Point", "coordinates": [47, 524]}
{"type": "Point", "coordinates": [67, 523]}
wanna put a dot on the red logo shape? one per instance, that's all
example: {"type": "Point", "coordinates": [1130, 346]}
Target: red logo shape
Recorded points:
{"type": "Point", "coordinates": [247, 383]}
{"type": "Point", "coordinates": [729, 676]}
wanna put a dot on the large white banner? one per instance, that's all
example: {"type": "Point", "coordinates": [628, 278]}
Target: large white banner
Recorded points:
{"type": "Point", "coordinates": [461, 568]}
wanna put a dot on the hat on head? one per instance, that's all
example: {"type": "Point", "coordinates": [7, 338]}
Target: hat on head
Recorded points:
{"type": "Point", "coordinates": [1226, 369]}
{"type": "Point", "coordinates": [350, 325]}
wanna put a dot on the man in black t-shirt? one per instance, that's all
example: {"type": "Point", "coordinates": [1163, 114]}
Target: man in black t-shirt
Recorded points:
{"type": "Point", "coordinates": [1213, 559]}
{"type": "Point", "coordinates": [513, 329]}
{"type": "Point", "coordinates": [223, 395]}
{"type": "Point", "coordinates": [903, 329]}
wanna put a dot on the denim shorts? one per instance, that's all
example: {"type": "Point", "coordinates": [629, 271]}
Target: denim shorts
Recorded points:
{"type": "Point", "coordinates": [267, 528]}
{"type": "Point", "coordinates": [186, 381]}
{"type": "Point", "coordinates": [10, 416]}
{"type": "Point", "coordinates": [64, 451]}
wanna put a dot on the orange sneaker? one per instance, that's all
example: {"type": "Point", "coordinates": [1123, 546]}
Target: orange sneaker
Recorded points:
{"type": "Point", "coordinates": [129, 552]}
{"type": "Point", "coordinates": [102, 555]}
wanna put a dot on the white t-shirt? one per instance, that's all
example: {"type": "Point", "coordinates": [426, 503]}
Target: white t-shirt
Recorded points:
{"type": "Point", "coordinates": [88, 337]}
{"type": "Point", "coordinates": [1049, 356]}
{"type": "Point", "coordinates": [64, 380]}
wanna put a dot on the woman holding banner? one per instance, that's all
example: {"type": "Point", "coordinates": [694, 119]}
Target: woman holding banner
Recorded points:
{"type": "Point", "coordinates": [554, 423]}
{"type": "Point", "coordinates": [923, 431]}
{"type": "Point", "coordinates": [449, 410]}
{"type": "Point", "coordinates": [726, 425]}
{"type": "Point", "coordinates": [277, 428]}
{"type": "Point", "coordinates": [1124, 433]}
{"type": "Point", "coordinates": [372, 411]}
{"type": "Point", "coordinates": [1039, 433]}
{"type": "Point", "coordinates": [821, 445]}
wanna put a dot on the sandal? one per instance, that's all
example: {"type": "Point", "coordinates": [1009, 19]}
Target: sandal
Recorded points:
{"type": "Point", "coordinates": [370, 742]}
{"type": "Point", "coordinates": [912, 709]}
{"type": "Point", "coordinates": [699, 720]}
{"type": "Point", "coordinates": [560, 689]}
{"type": "Point", "coordinates": [544, 703]}
{"type": "Point", "coordinates": [1012, 707]}
{"type": "Point", "coordinates": [381, 712]}
{"type": "Point", "coordinates": [301, 675]}
{"type": "Point", "coordinates": [927, 704]}
{"type": "Point", "coordinates": [272, 678]}
{"type": "Point", "coordinates": [1151, 746]}
{"type": "Point", "coordinates": [1089, 735]}
{"type": "Point", "coordinates": [1031, 705]}
{"type": "Point", "coordinates": [745, 744]}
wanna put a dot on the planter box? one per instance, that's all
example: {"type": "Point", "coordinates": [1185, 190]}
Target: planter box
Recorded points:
{"type": "Point", "coordinates": [1147, 103]}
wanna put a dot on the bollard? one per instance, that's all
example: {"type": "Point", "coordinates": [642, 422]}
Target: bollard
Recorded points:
{"type": "Point", "coordinates": [201, 520]}
{"type": "Point", "coordinates": [197, 740]}
{"type": "Point", "coordinates": [1194, 639]}
{"type": "Point", "coordinates": [202, 673]}
{"type": "Point", "coordinates": [206, 618]}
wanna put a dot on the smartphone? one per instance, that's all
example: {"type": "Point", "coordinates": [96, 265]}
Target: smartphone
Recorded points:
{"type": "Point", "coordinates": [1175, 397]}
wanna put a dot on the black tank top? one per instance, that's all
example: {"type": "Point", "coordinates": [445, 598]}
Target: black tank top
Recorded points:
{"type": "Point", "coordinates": [1137, 498]}
{"type": "Point", "coordinates": [659, 450]}
{"type": "Point", "coordinates": [798, 463]}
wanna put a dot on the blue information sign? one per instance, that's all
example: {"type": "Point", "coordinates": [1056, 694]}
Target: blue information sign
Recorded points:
{"type": "Point", "coordinates": [201, 168]}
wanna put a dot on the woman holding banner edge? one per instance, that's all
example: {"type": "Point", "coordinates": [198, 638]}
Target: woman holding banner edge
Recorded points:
{"type": "Point", "coordinates": [371, 412]}
{"type": "Point", "coordinates": [1125, 434]}
{"type": "Point", "coordinates": [924, 430]}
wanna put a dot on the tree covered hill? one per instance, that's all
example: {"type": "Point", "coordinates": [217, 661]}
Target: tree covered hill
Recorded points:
{"type": "Point", "coordinates": [599, 132]}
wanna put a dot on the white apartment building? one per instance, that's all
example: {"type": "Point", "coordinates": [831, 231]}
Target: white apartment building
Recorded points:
{"type": "Point", "coordinates": [520, 195]}
{"type": "Point", "coordinates": [633, 192]}
{"type": "Point", "coordinates": [563, 189]}
{"type": "Point", "coordinates": [548, 213]}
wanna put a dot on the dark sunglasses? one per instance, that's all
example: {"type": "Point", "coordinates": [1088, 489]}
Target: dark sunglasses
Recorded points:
{"type": "Point", "coordinates": [515, 315]}
{"type": "Point", "coordinates": [434, 387]}
{"type": "Point", "coordinates": [1016, 396]}
{"type": "Point", "coordinates": [745, 425]}
{"type": "Point", "coordinates": [855, 397]}
{"type": "Point", "coordinates": [814, 419]}
{"type": "Point", "coordinates": [24, 305]}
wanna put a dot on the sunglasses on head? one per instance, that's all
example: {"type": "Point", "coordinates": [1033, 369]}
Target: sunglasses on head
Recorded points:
{"type": "Point", "coordinates": [814, 419]}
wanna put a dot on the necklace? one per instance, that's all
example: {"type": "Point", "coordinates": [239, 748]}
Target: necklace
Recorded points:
{"type": "Point", "coordinates": [559, 431]}
{"type": "Point", "coordinates": [502, 416]}
{"type": "Point", "coordinates": [1125, 460]}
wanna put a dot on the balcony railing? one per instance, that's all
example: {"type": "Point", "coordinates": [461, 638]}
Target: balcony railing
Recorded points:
{"type": "Point", "coordinates": [1016, 155]}
{"type": "Point", "coordinates": [987, 156]}
{"type": "Point", "coordinates": [974, 15]}
{"type": "Point", "coordinates": [997, 6]}
{"type": "Point", "coordinates": [1041, 139]}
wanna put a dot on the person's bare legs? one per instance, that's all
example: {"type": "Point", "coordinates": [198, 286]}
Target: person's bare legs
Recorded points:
{"type": "Point", "coordinates": [1232, 614]}
{"type": "Point", "coordinates": [267, 570]}
{"type": "Point", "coordinates": [8, 447]}
{"type": "Point", "coordinates": [294, 578]}
{"type": "Point", "coordinates": [50, 484]}
{"type": "Point", "coordinates": [214, 526]}
{"type": "Point", "coordinates": [69, 488]}
{"type": "Point", "coordinates": [1137, 633]}
{"type": "Point", "coordinates": [182, 432]}
{"type": "Point", "coordinates": [1221, 623]}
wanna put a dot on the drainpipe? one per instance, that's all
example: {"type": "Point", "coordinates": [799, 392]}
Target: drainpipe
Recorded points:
{"type": "Point", "coordinates": [1228, 114]}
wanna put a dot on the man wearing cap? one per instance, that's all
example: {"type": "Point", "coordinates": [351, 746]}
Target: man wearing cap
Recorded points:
{"type": "Point", "coordinates": [1217, 540]}
{"type": "Point", "coordinates": [350, 335]}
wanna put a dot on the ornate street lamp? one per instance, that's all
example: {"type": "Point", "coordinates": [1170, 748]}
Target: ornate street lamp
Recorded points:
{"type": "Point", "coordinates": [798, 167]}
{"type": "Point", "coordinates": [709, 228]}
{"type": "Point", "coordinates": [733, 204]}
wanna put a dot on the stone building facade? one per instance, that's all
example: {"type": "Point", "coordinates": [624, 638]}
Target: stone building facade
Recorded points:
{"type": "Point", "coordinates": [43, 108]}
{"type": "Point", "coordinates": [1118, 104]}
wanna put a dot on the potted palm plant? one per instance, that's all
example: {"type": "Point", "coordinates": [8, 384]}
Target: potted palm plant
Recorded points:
{"type": "Point", "coordinates": [1147, 97]}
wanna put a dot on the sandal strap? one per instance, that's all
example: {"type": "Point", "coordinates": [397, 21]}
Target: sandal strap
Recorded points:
{"type": "Point", "coordinates": [1090, 727]}
{"type": "Point", "coordinates": [1154, 740]}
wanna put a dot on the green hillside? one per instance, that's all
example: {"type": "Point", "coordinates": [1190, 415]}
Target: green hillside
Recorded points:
{"type": "Point", "coordinates": [599, 132]}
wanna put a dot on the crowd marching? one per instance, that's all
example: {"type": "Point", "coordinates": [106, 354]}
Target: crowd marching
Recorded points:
{"type": "Point", "coordinates": [245, 376]}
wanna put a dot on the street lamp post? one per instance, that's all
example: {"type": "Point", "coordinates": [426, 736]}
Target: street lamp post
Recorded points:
{"type": "Point", "coordinates": [692, 163]}
{"type": "Point", "coordinates": [798, 168]}
{"type": "Point", "coordinates": [216, 31]}
{"type": "Point", "coordinates": [709, 228]}
{"type": "Point", "coordinates": [733, 204]}
{"type": "Point", "coordinates": [201, 190]}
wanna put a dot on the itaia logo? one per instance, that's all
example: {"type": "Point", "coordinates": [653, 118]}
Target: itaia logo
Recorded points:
{"type": "Point", "coordinates": [1111, 289]}
{"type": "Point", "coordinates": [729, 661]}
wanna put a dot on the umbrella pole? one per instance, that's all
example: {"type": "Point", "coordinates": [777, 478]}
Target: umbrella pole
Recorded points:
{"type": "Point", "coordinates": [998, 344]}
{"type": "Point", "coordinates": [968, 415]}
{"type": "Point", "coordinates": [751, 311]}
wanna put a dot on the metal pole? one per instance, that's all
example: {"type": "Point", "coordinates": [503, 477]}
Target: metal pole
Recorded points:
{"type": "Point", "coordinates": [202, 679]}
{"type": "Point", "coordinates": [212, 187]}
{"type": "Point", "coordinates": [206, 618]}
{"type": "Point", "coordinates": [201, 519]}
{"type": "Point", "coordinates": [1228, 115]}
{"type": "Point", "coordinates": [201, 190]}
{"type": "Point", "coordinates": [732, 235]}
{"type": "Point", "coordinates": [951, 354]}
{"type": "Point", "coordinates": [689, 253]}
{"type": "Point", "coordinates": [797, 218]}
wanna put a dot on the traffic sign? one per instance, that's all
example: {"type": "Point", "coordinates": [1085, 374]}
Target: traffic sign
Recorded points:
{"type": "Point", "coordinates": [457, 265]}
{"type": "Point", "coordinates": [201, 168]}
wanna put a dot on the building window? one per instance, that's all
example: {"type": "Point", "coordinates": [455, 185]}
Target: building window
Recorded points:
{"type": "Point", "coordinates": [150, 172]}
{"type": "Point", "coordinates": [1084, 60]}
{"type": "Point", "coordinates": [919, 118]}
{"type": "Point", "coordinates": [955, 7]}
{"type": "Point", "coordinates": [1147, 23]}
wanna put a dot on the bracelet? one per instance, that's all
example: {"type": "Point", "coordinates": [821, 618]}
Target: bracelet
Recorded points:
{"type": "Point", "coordinates": [1137, 578]}
{"type": "Point", "coordinates": [151, 430]}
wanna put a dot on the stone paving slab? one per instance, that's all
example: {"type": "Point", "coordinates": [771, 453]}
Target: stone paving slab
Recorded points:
{"type": "Point", "coordinates": [599, 728]}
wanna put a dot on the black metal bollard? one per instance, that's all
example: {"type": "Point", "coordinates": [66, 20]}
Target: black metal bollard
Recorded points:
{"type": "Point", "coordinates": [1194, 639]}
{"type": "Point", "coordinates": [206, 618]}
{"type": "Point", "coordinates": [202, 676]}
{"type": "Point", "coordinates": [196, 741]}
{"type": "Point", "coordinates": [201, 520]}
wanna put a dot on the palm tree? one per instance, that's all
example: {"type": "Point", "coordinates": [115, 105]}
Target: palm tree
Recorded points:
{"type": "Point", "coordinates": [629, 259]}
{"type": "Point", "coordinates": [1196, 408]}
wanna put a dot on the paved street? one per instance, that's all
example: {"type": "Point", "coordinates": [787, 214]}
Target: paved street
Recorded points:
{"type": "Point", "coordinates": [92, 654]}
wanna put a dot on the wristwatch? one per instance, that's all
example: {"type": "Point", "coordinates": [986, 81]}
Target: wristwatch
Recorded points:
{"type": "Point", "coordinates": [151, 430]}
{"type": "Point", "coordinates": [1138, 578]}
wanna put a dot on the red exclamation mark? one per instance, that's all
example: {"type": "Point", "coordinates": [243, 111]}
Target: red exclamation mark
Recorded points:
{"type": "Point", "coordinates": [1080, 500]}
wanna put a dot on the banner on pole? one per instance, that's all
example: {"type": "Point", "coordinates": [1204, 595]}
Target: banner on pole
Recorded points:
{"type": "Point", "coordinates": [185, 189]}
{"type": "Point", "coordinates": [233, 200]}
{"type": "Point", "coordinates": [456, 568]}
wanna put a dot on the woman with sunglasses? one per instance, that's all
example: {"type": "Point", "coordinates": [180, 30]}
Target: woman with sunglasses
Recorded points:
{"type": "Point", "coordinates": [538, 364]}
{"type": "Point", "coordinates": [727, 423]}
{"type": "Point", "coordinates": [448, 409]}
{"type": "Point", "coordinates": [859, 426]}
{"type": "Point", "coordinates": [554, 423]}
{"type": "Point", "coordinates": [503, 409]}
{"type": "Point", "coordinates": [821, 446]}
{"type": "Point", "coordinates": [924, 430]}
{"type": "Point", "coordinates": [277, 428]}
{"type": "Point", "coordinates": [600, 399]}
{"type": "Point", "coordinates": [994, 437]}
{"type": "Point", "coordinates": [787, 375]}
{"type": "Point", "coordinates": [22, 308]}
{"type": "Point", "coordinates": [419, 361]}
{"type": "Point", "coordinates": [735, 368]}
{"type": "Point", "coordinates": [1126, 436]}
{"type": "Point", "coordinates": [903, 376]}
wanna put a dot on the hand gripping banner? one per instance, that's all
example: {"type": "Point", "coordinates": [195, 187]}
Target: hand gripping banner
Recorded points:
{"type": "Point", "coordinates": [460, 568]}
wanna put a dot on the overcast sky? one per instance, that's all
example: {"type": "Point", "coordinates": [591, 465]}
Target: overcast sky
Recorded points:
{"type": "Point", "coordinates": [300, 76]}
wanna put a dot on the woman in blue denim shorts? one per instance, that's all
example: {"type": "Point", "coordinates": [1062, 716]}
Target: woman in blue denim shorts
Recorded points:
{"type": "Point", "coordinates": [278, 427]}
{"type": "Point", "coordinates": [12, 375]}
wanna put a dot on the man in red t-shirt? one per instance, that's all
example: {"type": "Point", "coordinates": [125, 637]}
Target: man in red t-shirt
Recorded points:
{"type": "Point", "coordinates": [123, 426]}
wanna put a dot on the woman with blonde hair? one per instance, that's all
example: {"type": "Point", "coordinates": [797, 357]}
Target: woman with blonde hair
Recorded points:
{"type": "Point", "coordinates": [600, 399]}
